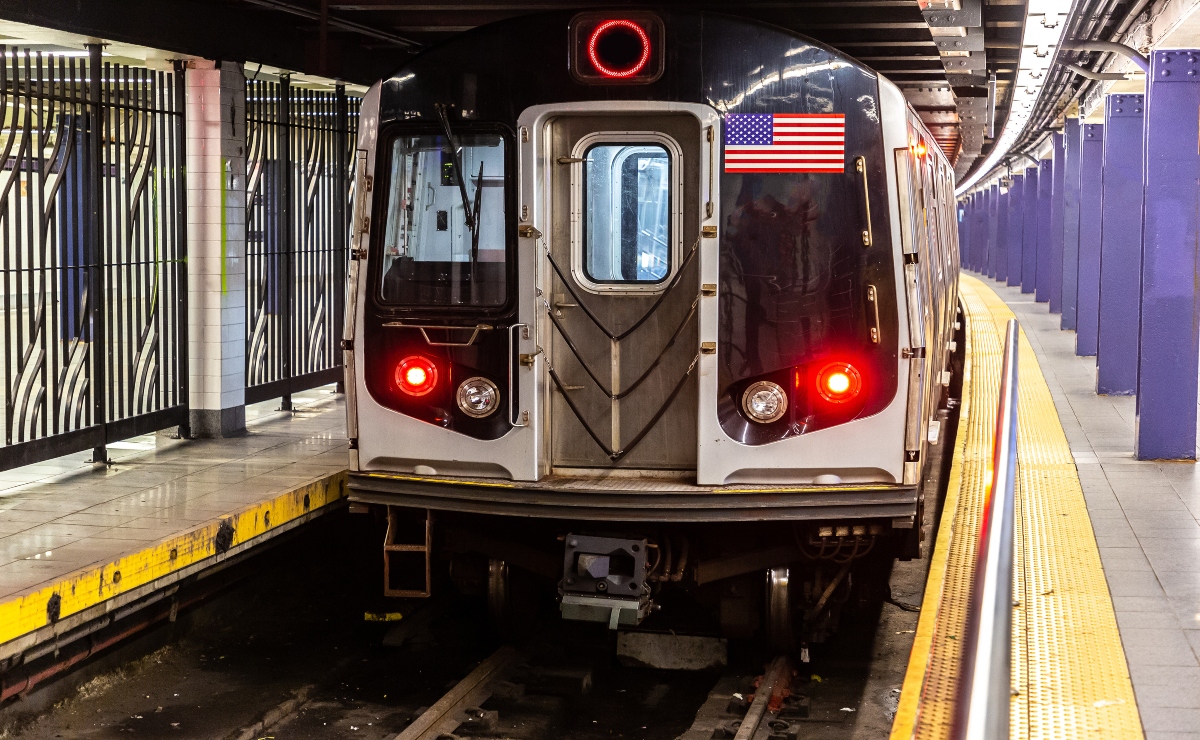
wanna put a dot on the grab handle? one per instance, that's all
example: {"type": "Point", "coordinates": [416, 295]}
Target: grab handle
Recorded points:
{"type": "Point", "coordinates": [860, 164]}
{"type": "Point", "coordinates": [512, 347]}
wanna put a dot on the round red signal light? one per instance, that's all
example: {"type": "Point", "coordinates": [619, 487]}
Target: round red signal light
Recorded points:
{"type": "Point", "coordinates": [416, 375]}
{"type": "Point", "coordinates": [839, 382]}
{"type": "Point", "coordinates": [619, 48]}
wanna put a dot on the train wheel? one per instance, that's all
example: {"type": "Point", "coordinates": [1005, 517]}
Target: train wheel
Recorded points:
{"type": "Point", "coordinates": [499, 595]}
{"type": "Point", "coordinates": [780, 633]}
{"type": "Point", "coordinates": [514, 600]}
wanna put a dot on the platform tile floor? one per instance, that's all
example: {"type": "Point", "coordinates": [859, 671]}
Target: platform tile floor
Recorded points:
{"type": "Point", "coordinates": [59, 516]}
{"type": "Point", "coordinates": [1146, 517]}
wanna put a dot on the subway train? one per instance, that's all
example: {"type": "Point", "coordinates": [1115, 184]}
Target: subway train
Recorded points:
{"type": "Point", "coordinates": [651, 313]}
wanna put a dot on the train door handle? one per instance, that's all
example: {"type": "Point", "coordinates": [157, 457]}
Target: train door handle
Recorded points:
{"type": "Point", "coordinates": [525, 361]}
{"type": "Point", "coordinates": [860, 164]}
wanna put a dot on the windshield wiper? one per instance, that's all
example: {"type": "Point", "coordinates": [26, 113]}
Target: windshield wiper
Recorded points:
{"type": "Point", "coordinates": [468, 212]}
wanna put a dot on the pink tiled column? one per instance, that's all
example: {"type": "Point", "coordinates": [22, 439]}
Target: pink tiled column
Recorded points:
{"type": "Point", "coordinates": [216, 232]}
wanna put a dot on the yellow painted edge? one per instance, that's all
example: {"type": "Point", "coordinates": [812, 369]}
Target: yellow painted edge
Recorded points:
{"type": "Point", "coordinates": [905, 722]}
{"type": "Point", "coordinates": [89, 586]}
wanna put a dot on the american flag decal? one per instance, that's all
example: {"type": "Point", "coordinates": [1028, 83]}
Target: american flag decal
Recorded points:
{"type": "Point", "coordinates": [785, 142]}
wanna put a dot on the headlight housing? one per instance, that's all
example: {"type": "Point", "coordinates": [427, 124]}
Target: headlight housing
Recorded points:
{"type": "Point", "coordinates": [478, 397]}
{"type": "Point", "coordinates": [764, 401]}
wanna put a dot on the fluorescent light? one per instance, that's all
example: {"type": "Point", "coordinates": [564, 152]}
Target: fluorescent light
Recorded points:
{"type": "Point", "coordinates": [1045, 21]}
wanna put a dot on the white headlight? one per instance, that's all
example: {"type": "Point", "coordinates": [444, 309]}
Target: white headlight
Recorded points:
{"type": "Point", "coordinates": [764, 401]}
{"type": "Point", "coordinates": [478, 397]}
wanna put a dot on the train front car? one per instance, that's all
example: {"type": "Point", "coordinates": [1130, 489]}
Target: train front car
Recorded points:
{"type": "Point", "coordinates": [637, 312]}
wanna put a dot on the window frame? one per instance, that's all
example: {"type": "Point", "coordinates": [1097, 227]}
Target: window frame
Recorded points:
{"type": "Point", "coordinates": [578, 205]}
{"type": "Point", "coordinates": [381, 195]}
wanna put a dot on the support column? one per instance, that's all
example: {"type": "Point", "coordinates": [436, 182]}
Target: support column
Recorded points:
{"type": "Point", "coordinates": [1016, 225]}
{"type": "Point", "coordinates": [1120, 246]}
{"type": "Point", "coordinates": [216, 232]}
{"type": "Point", "coordinates": [979, 244]}
{"type": "Point", "coordinates": [1070, 254]}
{"type": "Point", "coordinates": [1029, 232]}
{"type": "Point", "coordinates": [1090, 214]}
{"type": "Point", "coordinates": [1168, 359]}
{"type": "Point", "coordinates": [988, 267]}
{"type": "Point", "coordinates": [962, 217]}
{"type": "Point", "coordinates": [999, 267]}
{"type": "Point", "coordinates": [1057, 218]}
{"type": "Point", "coordinates": [1045, 229]}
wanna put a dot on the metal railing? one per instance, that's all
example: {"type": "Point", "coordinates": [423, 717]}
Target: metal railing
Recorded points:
{"type": "Point", "coordinates": [93, 280]}
{"type": "Point", "coordinates": [985, 683]}
{"type": "Point", "coordinates": [299, 165]}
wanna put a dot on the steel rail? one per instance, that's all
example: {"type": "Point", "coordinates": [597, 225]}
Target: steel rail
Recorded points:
{"type": "Point", "coordinates": [447, 713]}
{"type": "Point", "coordinates": [984, 691]}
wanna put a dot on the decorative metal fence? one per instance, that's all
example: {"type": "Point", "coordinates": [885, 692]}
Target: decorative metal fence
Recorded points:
{"type": "Point", "coordinates": [299, 146]}
{"type": "Point", "coordinates": [93, 282]}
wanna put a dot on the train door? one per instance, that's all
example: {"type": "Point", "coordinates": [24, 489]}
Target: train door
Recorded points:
{"type": "Point", "coordinates": [620, 289]}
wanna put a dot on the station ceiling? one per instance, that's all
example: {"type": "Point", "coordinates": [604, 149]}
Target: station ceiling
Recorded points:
{"type": "Point", "coordinates": [940, 52]}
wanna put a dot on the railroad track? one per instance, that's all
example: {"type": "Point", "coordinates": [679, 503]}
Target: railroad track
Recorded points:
{"type": "Point", "coordinates": [769, 713]}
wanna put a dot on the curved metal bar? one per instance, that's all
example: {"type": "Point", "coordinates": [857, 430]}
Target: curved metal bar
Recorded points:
{"type": "Point", "coordinates": [616, 455]}
{"type": "Point", "coordinates": [1089, 74]}
{"type": "Point", "coordinates": [1112, 47]}
{"type": "Point", "coordinates": [645, 374]}
{"type": "Point", "coordinates": [984, 691]}
{"type": "Point", "coordinates": [625, 450]}
{"type": "Point", "coordinates": [661, 296]}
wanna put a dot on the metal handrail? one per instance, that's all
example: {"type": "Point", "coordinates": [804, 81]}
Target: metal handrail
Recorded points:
{"type": "Point", "coordinates": [985, 683]}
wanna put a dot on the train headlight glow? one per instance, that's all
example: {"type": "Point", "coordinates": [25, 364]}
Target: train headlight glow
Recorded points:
{"type": "Point", "coordinates": [839, 382]}
{"type": "Point", "coordinates": [619, 48]}
{"type": "Point", "coordinates": [478, 397]}
{"type": "Point", "coordinates": [416, 375]}
{"type": "Point", "coordinates": [764, 401]}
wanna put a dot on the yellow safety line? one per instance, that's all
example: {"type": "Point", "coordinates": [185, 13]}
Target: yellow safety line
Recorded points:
{"type": "Point", "coordinates": [1070, 678]}
{"type": "Point", "coordinates": [90, 586]}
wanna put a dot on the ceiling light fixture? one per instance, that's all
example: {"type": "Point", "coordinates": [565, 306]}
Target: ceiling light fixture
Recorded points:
{"type": "Point", "coordinates": [1045, 21]}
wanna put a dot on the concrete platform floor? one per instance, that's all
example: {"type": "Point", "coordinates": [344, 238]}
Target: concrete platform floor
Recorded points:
{"type": "Point", "coordinates": [1146, 517]}
{"type": "Point", "coordinates": [59, 516]}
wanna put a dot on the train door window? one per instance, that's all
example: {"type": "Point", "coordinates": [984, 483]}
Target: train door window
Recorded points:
{"type": "Point", "coordinates": [443, 246]}
{"type": "Point", "coordinates": [626, 203]}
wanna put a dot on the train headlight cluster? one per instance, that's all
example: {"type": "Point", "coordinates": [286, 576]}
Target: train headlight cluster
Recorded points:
{"type": "Point", "coordinates": [416, 375]}
{"type": "Point", "coordinates": [839, 382]}
{"type": "Point", "coordinates": [764, 401]}
{"type": "Point", "coordinates": [478, 397]}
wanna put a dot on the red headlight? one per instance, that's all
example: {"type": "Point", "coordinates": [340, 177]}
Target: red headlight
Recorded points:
{"type": "Point", "coordinates": [838, 382]}
{"type": "Point", "coordinates": [416, 375]}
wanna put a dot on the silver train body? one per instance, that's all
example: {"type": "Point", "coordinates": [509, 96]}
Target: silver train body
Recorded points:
{"type": "Point", "coordinates": [582, 303]}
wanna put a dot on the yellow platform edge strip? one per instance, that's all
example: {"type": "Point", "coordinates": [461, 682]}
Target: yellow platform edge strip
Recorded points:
{"type": "Point", "coordinates": [1070, 676]}
{"type": "Point", "coordinates": [97, 583]}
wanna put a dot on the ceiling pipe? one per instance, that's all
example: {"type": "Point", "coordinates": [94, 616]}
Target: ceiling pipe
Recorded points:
{"type": "Point", "coordinates": [1110, 46]}
{"type": "Point", "coordinates": [1089, 74]}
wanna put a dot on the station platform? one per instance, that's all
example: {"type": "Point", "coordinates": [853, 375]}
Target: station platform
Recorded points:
{"type": "Point", "coordinates": [78, 541]}
{"type": "Point", "coordinates": [1071, 654]}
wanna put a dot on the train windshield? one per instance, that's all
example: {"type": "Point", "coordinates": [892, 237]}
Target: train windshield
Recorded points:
{"type": "Point", "coordinates": [627, 213]}
{"type": "Point", "coordinates": [439, 247]}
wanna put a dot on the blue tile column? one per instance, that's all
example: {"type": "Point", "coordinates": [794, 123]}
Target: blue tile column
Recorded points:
{"type": "Point", "coordinates": [1120, 246]}
{"type": "Point", "coordinates": [1016, 212]}
{"type": "Point", "coordinates": [1045, 230]}
{"type": "Point", "coordinates": [999, 266]}
{"type": "Point", "coordinates": [992, 246]}
{"type": "Point", "coordinates": [1057, 218]}
{"type": "Point", "coordinates": [1169, 350]}
{"type": "Point", "coordinates": [962, 216]}
{"type": "Point", "coordinates": [1029, 238]}
{"type": "Point", "coordinates": [1090, 213]}
{"type": "Point", "coordinates": [979, 244]}
{"type": "Point", "coordinates": [1070, 260]}
{"type": "Point", "coordinates": [985, 233]}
